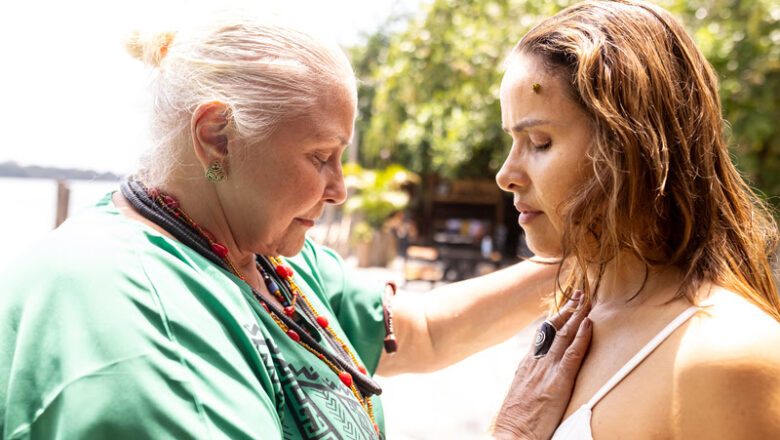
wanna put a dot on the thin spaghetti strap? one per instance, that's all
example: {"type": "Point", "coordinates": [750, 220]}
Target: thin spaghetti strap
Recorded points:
{"type": "Point", "coordinates": [641, 355]}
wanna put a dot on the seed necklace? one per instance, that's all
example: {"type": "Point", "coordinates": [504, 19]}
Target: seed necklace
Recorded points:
{"type": "Point", "coordinates": [297, 317]}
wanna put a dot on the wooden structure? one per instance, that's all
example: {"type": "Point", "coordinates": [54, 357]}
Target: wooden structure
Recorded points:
{"type": "Point", "coordinates": [63, 201]}
{"type": "Point", "coordinates": [460, 223]}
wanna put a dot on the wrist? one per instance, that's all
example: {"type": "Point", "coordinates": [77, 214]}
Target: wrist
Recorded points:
{"type": "Point", "coordinates": [517, 420]}
{"type": "Point", "coordinates": [502, 434]}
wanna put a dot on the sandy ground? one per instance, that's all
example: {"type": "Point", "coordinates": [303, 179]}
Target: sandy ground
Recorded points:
{"type": "Point", "coordinates": [457, 402]}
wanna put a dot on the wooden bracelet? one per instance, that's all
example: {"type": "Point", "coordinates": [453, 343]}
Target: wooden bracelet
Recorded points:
{"type": "Point", "coordinates": [391, 344]}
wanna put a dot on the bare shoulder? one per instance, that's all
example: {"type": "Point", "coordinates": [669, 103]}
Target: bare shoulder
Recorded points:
{"type": "Point", "coordinates": [730, 328]}
{"type": "Point", "coordinates": [727, 372]}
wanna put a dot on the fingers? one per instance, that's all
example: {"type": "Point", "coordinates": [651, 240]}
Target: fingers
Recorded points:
{"type": "Point", "coordinates": [567, 334]}
{"type": "Point", "coordinates": [572, 358]}
{"type": "Point", "coordinates": [543, 385]}
{"type": "Point", "coordinates": [559, 319]}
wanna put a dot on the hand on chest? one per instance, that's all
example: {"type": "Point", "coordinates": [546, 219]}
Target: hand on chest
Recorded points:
{"type": "Point", "coordinates": [627, 380]}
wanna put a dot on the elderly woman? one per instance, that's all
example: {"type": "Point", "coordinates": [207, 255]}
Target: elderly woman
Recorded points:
{"type": "Point", "coordinates": [191, 305]}
{"type": "Point", "coordinates": [672, 249]}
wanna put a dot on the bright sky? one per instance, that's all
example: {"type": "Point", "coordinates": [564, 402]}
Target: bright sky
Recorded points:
{"type": "Point", "coordinates": [72, 97]}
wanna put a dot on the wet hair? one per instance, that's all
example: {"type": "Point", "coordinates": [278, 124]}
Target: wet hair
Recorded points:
{"type": "Point", "coordinates": [664, 186]}
{"type": "Point", "coordinates": [265, 74]}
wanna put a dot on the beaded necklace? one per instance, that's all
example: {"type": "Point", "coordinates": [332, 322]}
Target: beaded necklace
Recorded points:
{"type": "Point", "coordinates": [165, 211]}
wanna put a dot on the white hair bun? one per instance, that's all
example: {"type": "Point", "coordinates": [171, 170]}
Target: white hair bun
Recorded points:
{"type": "Point", "coordinates": [149, 48]}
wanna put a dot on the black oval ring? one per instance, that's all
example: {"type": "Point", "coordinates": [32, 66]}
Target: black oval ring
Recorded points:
{"type": "Point", "coordinates": [544, 339]}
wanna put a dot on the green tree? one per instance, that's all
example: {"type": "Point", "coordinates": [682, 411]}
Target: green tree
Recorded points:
{"type": "Point", "coordinates": [431, 91]}
{"type": "Point", "coordinates": [742, 41]}
{"type": "Point", "coordinates": [435, 97]}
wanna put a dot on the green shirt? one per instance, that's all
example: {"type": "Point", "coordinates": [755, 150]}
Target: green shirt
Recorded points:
{"type": "Point", "coordinates": [111, 330]}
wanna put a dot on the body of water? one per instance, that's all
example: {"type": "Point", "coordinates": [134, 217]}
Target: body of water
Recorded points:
{"type": "Point", "coordinates": [30, 208]}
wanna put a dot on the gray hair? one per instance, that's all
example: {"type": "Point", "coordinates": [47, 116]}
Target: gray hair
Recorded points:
{"type": "Point", "coordinates": [264, 73]}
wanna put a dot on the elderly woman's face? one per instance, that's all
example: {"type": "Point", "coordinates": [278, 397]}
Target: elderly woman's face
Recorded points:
{"type": "Point", "coordinates": [550, 138]}
{"type": "Point", "coordinates": [282, 186]}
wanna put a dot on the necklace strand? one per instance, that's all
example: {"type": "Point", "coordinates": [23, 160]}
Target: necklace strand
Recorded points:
{"type": "Point", "coordinates": [134, 192]}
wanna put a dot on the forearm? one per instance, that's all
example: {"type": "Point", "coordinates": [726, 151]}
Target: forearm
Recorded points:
{"type": "Point", "coordinates": [438, 328]}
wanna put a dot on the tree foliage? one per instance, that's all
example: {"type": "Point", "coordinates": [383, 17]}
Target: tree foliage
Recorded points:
{"type": "Point", "coordinates": [430, 92]}
{"type": "Point", "coordinates": [377, 194]}
{"type": "Point", "coordinates": [742, 41]}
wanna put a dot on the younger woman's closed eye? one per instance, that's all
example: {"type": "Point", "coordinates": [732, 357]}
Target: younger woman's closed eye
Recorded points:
{"type": "Point", "coordinates": [539, 143]}
{"type": "Point", "coordinates": [544, 146]}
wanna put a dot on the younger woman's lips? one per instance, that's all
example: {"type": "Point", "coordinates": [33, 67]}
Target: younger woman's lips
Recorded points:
{"type": "Point", "coordinates": [527, 217]}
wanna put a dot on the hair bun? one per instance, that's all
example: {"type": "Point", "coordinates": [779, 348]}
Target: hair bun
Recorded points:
{"type": "Point", "coordinates": [151, 49]}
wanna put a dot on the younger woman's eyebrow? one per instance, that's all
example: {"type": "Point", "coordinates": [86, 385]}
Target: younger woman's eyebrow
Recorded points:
{"type": "Point", "coordinates": [525, 123]}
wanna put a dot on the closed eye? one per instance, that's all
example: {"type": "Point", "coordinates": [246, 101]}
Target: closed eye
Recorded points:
{"type": "Point", "coordinates": [320, 160]}
{"type": "Point", "coordinates": [542, 147]}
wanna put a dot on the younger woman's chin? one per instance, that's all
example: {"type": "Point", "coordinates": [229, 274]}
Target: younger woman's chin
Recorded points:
{"type": "Point", "coordinates": [544, 250]}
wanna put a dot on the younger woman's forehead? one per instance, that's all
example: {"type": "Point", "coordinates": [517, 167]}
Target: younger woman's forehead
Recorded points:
{"type": "Point", "coordinates": [523, 68]}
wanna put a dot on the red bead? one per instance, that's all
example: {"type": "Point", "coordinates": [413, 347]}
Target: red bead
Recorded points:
{"type": "Point", "coordinates": [265, 306]}
{"type": "Point", "coordinates": [362, 369]}
{"type": "Point", "coordinates": [346, 378]}
{"type": "Point", "coordinates": [289, 310]}
{"type": "Point", "coordinates": [170, 202]}
{"type": "Point", "coordinates": [376, 428]}
{"type": "Point", "coordinates": [284, 271]}
{"type": "Point", "coordinates": [322, 321]}
{"type": "Point", "coordinates": [220, 250]}
{"type": "Point", "coordinates": [294, 335]}
{"type": "Point", "coordinates": [321, 356]}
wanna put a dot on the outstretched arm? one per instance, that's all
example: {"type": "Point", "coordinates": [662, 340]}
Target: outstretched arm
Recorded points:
{"type": "Point", "coordinates": [438, 328]}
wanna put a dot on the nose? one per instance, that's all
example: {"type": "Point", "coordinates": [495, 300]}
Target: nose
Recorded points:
{"type": "Point", "coordinates": [512, 177]}
{"type": "Point", "coordinates": [335, 190]}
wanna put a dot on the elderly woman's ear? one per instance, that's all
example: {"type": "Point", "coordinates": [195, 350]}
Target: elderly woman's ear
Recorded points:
{"type": "Point", "coordinates": [210, 132]}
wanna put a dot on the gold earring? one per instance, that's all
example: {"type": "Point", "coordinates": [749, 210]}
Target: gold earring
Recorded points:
{"type": "Point", "coordinates": [215, 172]}
{"type": "Point", "coordinates": [537, 87]}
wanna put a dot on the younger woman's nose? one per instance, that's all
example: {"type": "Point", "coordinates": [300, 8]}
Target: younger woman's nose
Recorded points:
{"type": "Point", "coordinates": [512, 176]}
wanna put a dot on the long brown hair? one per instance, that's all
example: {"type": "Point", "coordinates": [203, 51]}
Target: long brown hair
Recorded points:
{"type": "Point", "coordinates": [664, 185]}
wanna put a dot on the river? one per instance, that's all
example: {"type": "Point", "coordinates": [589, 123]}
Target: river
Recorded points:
{"type": "Point", "coordinates": [30, 208]}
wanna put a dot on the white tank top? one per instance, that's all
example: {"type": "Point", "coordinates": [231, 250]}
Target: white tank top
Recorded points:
{"type": "Point", "coordinates": [577, 425]}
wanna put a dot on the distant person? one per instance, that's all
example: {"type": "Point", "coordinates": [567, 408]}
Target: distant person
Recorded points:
{"type": "Point", "coordinates": [190, 304]}
{"type": "Point", "coordinates": [619, 162]}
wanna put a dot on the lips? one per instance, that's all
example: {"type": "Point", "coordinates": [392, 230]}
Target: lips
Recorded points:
{"type": "Point", "coordinates": [527, 213]}
{"type": "Point", "coordinates": [305, 221]}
